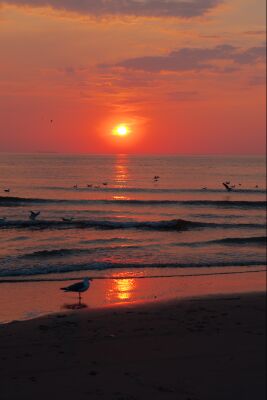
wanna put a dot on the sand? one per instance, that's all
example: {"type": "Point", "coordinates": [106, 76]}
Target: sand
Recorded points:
{"type": "Point", "coordinates": [199, 348]}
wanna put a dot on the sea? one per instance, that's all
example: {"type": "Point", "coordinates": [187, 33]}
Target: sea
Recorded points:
{"type": "Point", "coordinates": [102, 215]}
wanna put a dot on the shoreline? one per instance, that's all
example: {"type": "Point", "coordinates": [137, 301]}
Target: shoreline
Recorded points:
{"type": "Point", "coordinates": [28, 300]}
{"type": "Point", "coordinates": [199, 348]}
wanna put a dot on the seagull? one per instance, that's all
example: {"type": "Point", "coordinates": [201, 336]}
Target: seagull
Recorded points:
{"type": "Point", "coordinates": [33, 215]}
{"type": "Point", "coordinates": [228, 188]}
{"type": "Point", "coordinates": [7, 190]}
{"type": "Point", "coordinates": [67, 219]}
{"type": "Point", "coordinates": [78, 287]}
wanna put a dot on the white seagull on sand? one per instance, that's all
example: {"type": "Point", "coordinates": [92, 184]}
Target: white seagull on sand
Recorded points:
{"type": "Point", "coordinates": [78, 287]}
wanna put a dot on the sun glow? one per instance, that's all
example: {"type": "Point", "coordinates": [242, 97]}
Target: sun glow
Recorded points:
{"type": "Point", "coordinates": [121, 130]}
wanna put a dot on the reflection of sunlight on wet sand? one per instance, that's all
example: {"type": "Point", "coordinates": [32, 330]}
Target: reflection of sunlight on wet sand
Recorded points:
{"type": "Point", "coordinates": [125, 288]}
{"type": "Point", "coordinates": [121, 289]}
{"type": "Point", "coordinates": [121, 170]}
{"type": "Point", "coordinates": [29, 300]}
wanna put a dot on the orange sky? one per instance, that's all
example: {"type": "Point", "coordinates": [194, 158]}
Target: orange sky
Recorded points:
{"type": "Point", "coordinates": [187, 77]}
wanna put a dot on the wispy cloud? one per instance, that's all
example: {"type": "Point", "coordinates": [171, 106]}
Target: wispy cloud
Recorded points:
{"type": "Point", "coordinates": [195, 59]}
{"type": "Point", "coordinates": [145, 8]}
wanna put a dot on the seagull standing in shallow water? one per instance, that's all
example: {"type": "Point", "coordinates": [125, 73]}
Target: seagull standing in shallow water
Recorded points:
{"type": "Point", "coordinates": [78, 287]}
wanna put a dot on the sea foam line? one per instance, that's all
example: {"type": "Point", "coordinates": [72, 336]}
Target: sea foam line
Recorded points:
{"type": "Point", "coordinates": [167, 225]}
{"type": "Point", "coordinates": [131, 277]}
{"type": "Point", "coordinates": [101, 266]}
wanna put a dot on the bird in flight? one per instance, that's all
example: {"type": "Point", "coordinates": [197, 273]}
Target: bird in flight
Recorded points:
{"type": "Point", "coordinates": [67, 219]}
{"type": "Point", "coordinates": [33, 215]}
{"type": "Point", "coordinates": [227, 187]}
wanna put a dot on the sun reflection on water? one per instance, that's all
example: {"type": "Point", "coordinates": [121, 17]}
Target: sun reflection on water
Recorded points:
{"type": "Point", "coordinates": [120, 197]}
{"type": "Point", "coordinates": [121, 171]}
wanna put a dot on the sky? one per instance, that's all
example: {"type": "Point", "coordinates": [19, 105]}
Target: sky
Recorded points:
{"type": "Point", "coordinates": [183, 76]}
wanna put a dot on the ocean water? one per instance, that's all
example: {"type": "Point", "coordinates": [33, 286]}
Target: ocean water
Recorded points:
{"type": "Point", "coordinates": [120, 219]}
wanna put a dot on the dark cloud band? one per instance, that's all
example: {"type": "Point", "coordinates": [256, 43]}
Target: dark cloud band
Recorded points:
{"type": "Point", "coordinates": [146, 8]}
{"type": "Point", "coordinates": [189, 59]}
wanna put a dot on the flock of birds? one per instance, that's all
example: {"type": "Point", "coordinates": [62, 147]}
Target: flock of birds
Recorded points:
{"type": "Point", "coordinates": [230, 187]}
{"type": "Point", "coordinates": [90, 185]}
{"type": "Point", "coordinates": [33, 215]}
{"type": "Point", "coordinates": [83, 286]}
{"type": "Point", "coordinates": [227, 184]}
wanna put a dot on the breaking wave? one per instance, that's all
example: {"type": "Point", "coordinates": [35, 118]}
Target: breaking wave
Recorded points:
{"type": "Point", "coordinates": [229, 241]}
{"type": "Point", "coordinates": [6, 201]}
{"type": "Point", "coordinates": [101, 266]}
{"type": "Point", "coordinates": [168, 225]}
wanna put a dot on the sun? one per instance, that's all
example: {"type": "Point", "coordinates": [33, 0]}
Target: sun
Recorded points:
{"type": "Point", "coordinates": [121, 130]}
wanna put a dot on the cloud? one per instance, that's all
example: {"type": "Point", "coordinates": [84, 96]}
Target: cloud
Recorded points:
{"type": "Point", "coordinates": [195, 59]}
{"type": "Point", "coordinates": [145, 8]}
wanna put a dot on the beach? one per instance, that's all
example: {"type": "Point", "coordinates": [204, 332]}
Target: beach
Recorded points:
{"type": "Point", "coordinates": [176, 305]}
{"type": "Point", "coordinates": [133, 200]}
{"type": "Point", "coordinates": [209, 347]}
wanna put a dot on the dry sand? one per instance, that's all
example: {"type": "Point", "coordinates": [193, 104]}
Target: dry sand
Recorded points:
{"type": "Point", "coordinates": [205, 348]}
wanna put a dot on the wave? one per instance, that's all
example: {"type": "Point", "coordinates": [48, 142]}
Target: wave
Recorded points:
{"type": "Point", "coordinates": [102, 266]}
{"type": "Point", "coordinates": [112, 189]}
{"type": "Point", "coordinates": [258, 240]}
{"type": "Point", "coordinates": [65, 252]}
{"type": "Point", "coordinates": [75, 251]}
{"type": "Point", "coordinates": [6, 201]}
{"type": "Point", "coordinates": [229, 241]}
{"type": "Point", "coordinates": [167, 225]}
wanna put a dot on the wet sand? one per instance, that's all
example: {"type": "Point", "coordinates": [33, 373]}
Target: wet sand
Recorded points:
{"type": "Point", "coordinates": [28, 299]}
{"type": "Point", "coordinates": [198, 348]}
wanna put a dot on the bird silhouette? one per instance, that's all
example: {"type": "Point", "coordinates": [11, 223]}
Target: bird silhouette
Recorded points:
{"type": "Point", "coordinates": [33, 215]}
{"type": "Point", "coordinates": [78, 287]}
{"type": "Point", "coordinates": [228, 188]}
